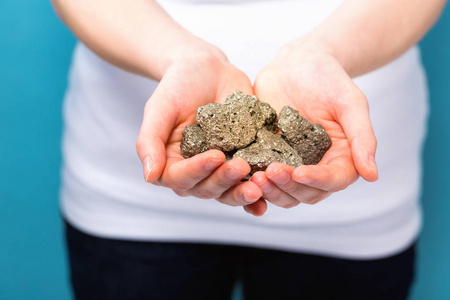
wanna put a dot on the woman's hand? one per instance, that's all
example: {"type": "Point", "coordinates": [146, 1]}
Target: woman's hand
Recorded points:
{"type": "Point", "coordinates": [190, 82]}
{"type": "Point", "coordinates": [316, 85]}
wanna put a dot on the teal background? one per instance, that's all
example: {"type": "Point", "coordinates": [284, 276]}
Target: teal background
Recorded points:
{"type": "Point", "coordinates": [34, 58]}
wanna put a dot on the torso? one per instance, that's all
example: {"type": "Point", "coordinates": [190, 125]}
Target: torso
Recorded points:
{"type": "Point", "coordinates": [104, 193]}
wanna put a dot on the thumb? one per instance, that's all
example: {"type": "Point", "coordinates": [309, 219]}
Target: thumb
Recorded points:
{"type": "Point", "coordinates": [355, 121]}
{"type": "Point", "coordinates": [157, 125]}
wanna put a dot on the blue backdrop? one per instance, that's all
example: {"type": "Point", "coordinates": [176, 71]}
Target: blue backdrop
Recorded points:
{"type": "Point", "coordinates": [34, 57]}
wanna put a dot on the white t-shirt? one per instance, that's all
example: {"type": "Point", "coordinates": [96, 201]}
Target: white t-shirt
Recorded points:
{"type": "Point", "coordinates": [104, 193]}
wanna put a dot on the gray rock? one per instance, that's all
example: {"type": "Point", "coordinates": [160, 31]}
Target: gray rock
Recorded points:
{"type": "Point", "coordinates": [193, 141]}
{"type": "Point", "coordinates": [268, 148]}
{"type": "Point", "coordinates": [263, 114]}
{"type": "Point", "coordinates": [309, 140]}
{"type": "Point", "coordinates": [226, 127]}
{"type": "Point", "coordinates": [244, 127]}
{"type": "Point", "coordinates": [233, 125]}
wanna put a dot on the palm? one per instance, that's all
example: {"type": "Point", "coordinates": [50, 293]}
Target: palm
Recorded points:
{"type": "Point", "coordinates": [191, 89]}
{"type": "Point", "coordinates": [315, 92]}
{"type": "Point", "coordinates": [318, 87]}
{"type": "Point", "coordinates": [185, 87]}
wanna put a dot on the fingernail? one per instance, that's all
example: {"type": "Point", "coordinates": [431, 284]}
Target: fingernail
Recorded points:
{"type": "Point", "coordinates": [148, 167]}
{"type": "Point", "coordinates": [281, 177]}
{"type": "Point", "coordinates": [246, 199]}
{"type": "Point", "coordinates": [247, 210]}
{"type": "Point", "coordinates": [212, 164]}
{"type": "Point", "coordinates": [373, 164]}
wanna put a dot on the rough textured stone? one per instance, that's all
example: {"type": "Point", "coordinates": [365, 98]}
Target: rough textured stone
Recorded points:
{"type": "Point", "coordinates": [264, 116]}
{"type": "Point", "coordinates": [193, 141]}
{"type": "Point", "coordinates": [226, 127]}
{"type": "Point", "coordinates": [309, 140]}
{"type": "Point", "coordinates": [268, 148]}
{"type": "Point", "coordinates": [244, 127]}
{"type": "Point", "coordinates": [233, 125]}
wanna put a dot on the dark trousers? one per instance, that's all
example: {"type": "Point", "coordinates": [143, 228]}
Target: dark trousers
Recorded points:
{"type": "Point", "coordinates": [116, 269]}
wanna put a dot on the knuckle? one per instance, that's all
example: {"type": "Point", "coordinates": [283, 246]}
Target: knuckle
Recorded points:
{"type": "Point", "coordinates": [316, 198]}
{"type": "Point", "coordinates": [275, 196]}
{"type": "Point", "coordinates": [196, 177]}
{"type": "Point", "coordinates": [295, 189]}
{"type": "Point", "coordinates": [223, 185]}
{"type": "Point", "coordinates": [178, 186]}
{"type": "Point", "coordinates": [202, 193]}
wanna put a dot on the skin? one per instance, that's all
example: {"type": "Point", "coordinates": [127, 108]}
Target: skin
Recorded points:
{"type": "Point", "coordinates": [322, 92]}
{"type": "Point", "coordinates": [171, 108]}
{"type": "Point", "coordinates": [312, 74]}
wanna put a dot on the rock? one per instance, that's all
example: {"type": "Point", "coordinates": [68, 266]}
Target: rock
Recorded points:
{"type": "Point", "coordinates": [226, 127]}
{"type": "Point", "coordinates": [193, 141]}
{"type": "Point", "coordinates": [309, 140]}
{"type": "Point", "coordinates": [263, 114]}
{"type": "Point", "coordinates": [233, 125]}
{"type": "Point", "coordinates": [268, 148]}
{"type": "Point", "coordinates": [244, 127]}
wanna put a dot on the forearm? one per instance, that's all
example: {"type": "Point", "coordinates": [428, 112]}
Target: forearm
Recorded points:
{"type": "Point", "coordinates": [363, 35]}
{"type": "Point", "coordinates": [138, 36]}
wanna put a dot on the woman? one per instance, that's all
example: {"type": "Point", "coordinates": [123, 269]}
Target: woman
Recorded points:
{"type": "Point", "coordinates": [128, 239]}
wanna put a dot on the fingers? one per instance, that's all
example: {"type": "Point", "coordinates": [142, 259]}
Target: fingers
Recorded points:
{"type": "Point", "coordinates": [242, 194]}
{"type": "Point", "coordinates": [158, 122]}
{"type": "Point", "coordinates": [258, 208]}
{"type": "Point", "coordinates": [286, 186]}
{"type": "Point", "coordinates": [207, 176]}
{"type": "Point", "coordinates": [272, 193]}
{"type": "Point", "coordinates": [280, 189]}
{"type": "Point", "coordinates": [182, 175]}
{"type": "Point", "coordinates": [353, 115]}
{"type": "Point", "coordinates": [281, 177]}
{"type": "Point", "coordinates": [225, 177]}
{"type": "Point", "coordinates": [335, 176]}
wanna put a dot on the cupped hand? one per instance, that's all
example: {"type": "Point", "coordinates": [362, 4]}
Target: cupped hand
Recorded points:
{"type": "Point", "coordinates": [318, 87]}
{"type": "Point", "coordinates": [186, 85]}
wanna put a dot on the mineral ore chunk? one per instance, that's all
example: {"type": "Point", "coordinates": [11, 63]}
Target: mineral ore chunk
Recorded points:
{"type": "Point", "coordinates": [226, 127]}
{"type": "Point", "coordinates": [233, 125]}
{"type": "Point", "coordinates": [263, 114]}
{"type": "Point", "coordinates": [309, 140]}
{"type": "Point", "coordinates": [268, 148]}
{"type": "Point", "coordinates": [244, 127]}
{"type": "Point", "coordinates": [193, 141]}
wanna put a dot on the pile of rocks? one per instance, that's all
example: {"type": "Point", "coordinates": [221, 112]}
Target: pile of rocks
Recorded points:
{"type": "Point", "coordinates": [247, 128]}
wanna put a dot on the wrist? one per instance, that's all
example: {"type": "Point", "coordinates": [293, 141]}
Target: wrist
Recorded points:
{"type": "Point", "coordinates": [193, 50]}
{"type": "Point", "coordinates": [309, 46]}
